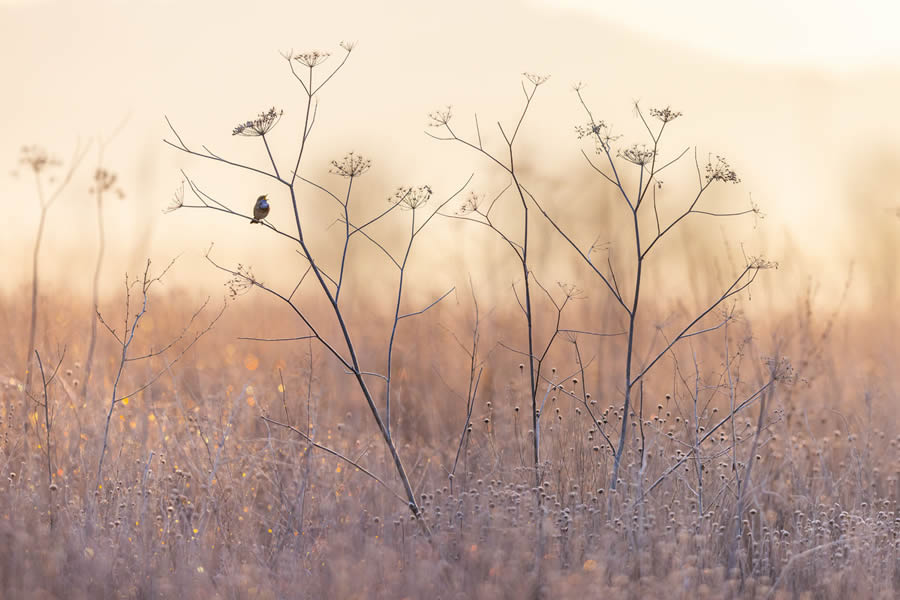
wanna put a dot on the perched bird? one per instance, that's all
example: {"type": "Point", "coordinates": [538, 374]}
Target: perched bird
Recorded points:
{"type": "Point", "coordinates": [260, 209]}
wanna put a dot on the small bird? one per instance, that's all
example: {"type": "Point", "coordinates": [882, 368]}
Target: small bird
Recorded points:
{"type": "Point", "coordinates": [260, 209]}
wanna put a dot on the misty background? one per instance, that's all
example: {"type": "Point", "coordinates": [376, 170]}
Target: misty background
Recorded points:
{"type": "Point", "coordinates": [802, 101]}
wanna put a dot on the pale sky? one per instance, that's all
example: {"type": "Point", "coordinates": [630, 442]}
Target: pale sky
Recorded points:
{"type": "Point", "coordinates": [829, 34]}
{"type": "Point", "coordinates": [800, 96]}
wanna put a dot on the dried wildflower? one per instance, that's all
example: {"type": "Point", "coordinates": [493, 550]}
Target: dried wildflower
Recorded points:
{"type": "Point", "coordinates": [241, 282]}
{"type": "Point", "coordinates": [591, 129]}
{"type": "Point", "coordinates": [756, 210]}
{"type": "Point", "coordinates": [757, 262]}
{"type": "Point", "coordinates": [411, 197]}
{"type": "Point", "coordinates": [314, 58]}
{"type": "Point", "coordinates": [536, 80]}
{"type": "Point", "coordinates": [638, 154]}
{"type": "Point", "coordinates": [721, 171]}
{"type": "Point", "coordinates": [37, 159]}
{"type": "Point", "coordinates": [348, 46]}
{"type": "Point", "coordinates": [471, 204]}
{"type": "Point", "coordinates": [440, 118]}
{"type": "Point", "coordinates": [572, 292]}
{"type": "Point", "coordinates": [780, 367]}
{"type": "Point", "coordinates": [599, 131]}
{"type": "Point", "coordinates": [261, 125]}
{"type": "Point", "coordinates": [177, 199]}
{"type": "Point", "coordinates": [104, 181]}
{"type": "Point", "coordinates": [352, 165]}
{"type": "Point", "coordinates": [665, 114]}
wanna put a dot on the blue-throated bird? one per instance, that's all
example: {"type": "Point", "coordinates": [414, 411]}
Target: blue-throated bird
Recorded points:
{"type": "Point", "coordinates": [260, 209]}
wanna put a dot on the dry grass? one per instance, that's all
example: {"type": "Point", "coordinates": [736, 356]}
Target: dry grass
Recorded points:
{"type": "Point", "coordinates": [201, 499]}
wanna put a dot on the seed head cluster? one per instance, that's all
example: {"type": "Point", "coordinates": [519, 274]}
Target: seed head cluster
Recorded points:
{"type": "Point", "coordinates": [259, 126]}
{"type": "Point", "coordinates": [352, 165]}
{"type": "Point", "coordinates": [411, 197]}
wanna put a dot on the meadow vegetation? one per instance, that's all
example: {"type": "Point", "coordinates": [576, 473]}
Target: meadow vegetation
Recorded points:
{"type": "Point", "coordinates": [647, 430]}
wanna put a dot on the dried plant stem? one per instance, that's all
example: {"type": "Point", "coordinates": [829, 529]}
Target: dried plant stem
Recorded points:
{"type": "Point", "coordinates": [47, 413]}
{"type": "Point", "coordinates": [32, 329]}
{"type": "Point", "coordinates": [103, 182]}
{"type": "Point", "coordinates": [95, 295]}
{"type": "Point", "coordinates": [330, 287]}
{"type": "Point", "coordinates": [127, 338]}
{"type": "Point", "coordinates": [46, 201]}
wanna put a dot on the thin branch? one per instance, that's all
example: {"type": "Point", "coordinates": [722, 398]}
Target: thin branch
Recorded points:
{"type": "Point", "coordinates": [336, 454]}
{"type": "Point", "coordinates": [290, 339]}
{"type": "Point", "coordinates": [419, 312]}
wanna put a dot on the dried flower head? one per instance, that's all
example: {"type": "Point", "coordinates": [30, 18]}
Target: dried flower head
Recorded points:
{"type": "Point", "coordinates": [241, 282]}
{"type": "Point", "coordinates": [759, 263]}
{"type": "Point", "coordinates": [440, 118]}
{"type": "Point", "coordinates": [104, 181]}
{"type": "Point", "coordinates": [177, 199]}
{"type": "Point", "coordinates": [756, 210]}
{"type": "Point", "coordinates": [536, 80]}
{"type": "Point", "coordinates": [313, 58]}
{"type": "Point", "coordinates": [571, 291]}
{"type": "Point", "coordinates": [411, 197]}
{"type": "Point", "coordinates": [780, 368]}
{"type": "Point", "coordinates": [352, 165]}
{"type": "Point", "coordinates": [638, 154]}
{"type": "Point", "coordinates": [261, 125]}
{"type": "Point", "coordinates": [591, 129]}
{"type": "Point", "coordinates": [599, 132]}
{"type": "Point", "coordinates": [720, 171]}
{"type": "Point", "coordinates": [37, 159]}
{"type": "Point", "coordinates": [664, 114]}
{"type": "Point", "coordinates": [470, 204]}
{"type": "Point", "coordinates": [348, 46]}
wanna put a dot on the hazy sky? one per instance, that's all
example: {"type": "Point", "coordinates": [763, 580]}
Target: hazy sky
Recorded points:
{"type": "Point", "coordinates": [829, 34]}
{"type": "Point", "coordinates": [801, 96]}
{"type": "Point", "coordinates": [825, 33]}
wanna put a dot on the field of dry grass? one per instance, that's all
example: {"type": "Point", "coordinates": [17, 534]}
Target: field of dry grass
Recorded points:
{"type": "Point", "coordinates": [613, 396]}
{"type": "Point", "coordinates": [202, 498]}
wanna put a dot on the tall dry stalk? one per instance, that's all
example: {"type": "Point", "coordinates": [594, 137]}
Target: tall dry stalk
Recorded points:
{"type": "Point", "coordinates": [104, 181]}
{"type": "Point", "coordinates": [40, 163]}
{"type": "Point", "coordinates": [645, 163]}
{"type": "Point", "coordinates": [329, 284]}
{"type": "Point", "coordinates": [132, 318]}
